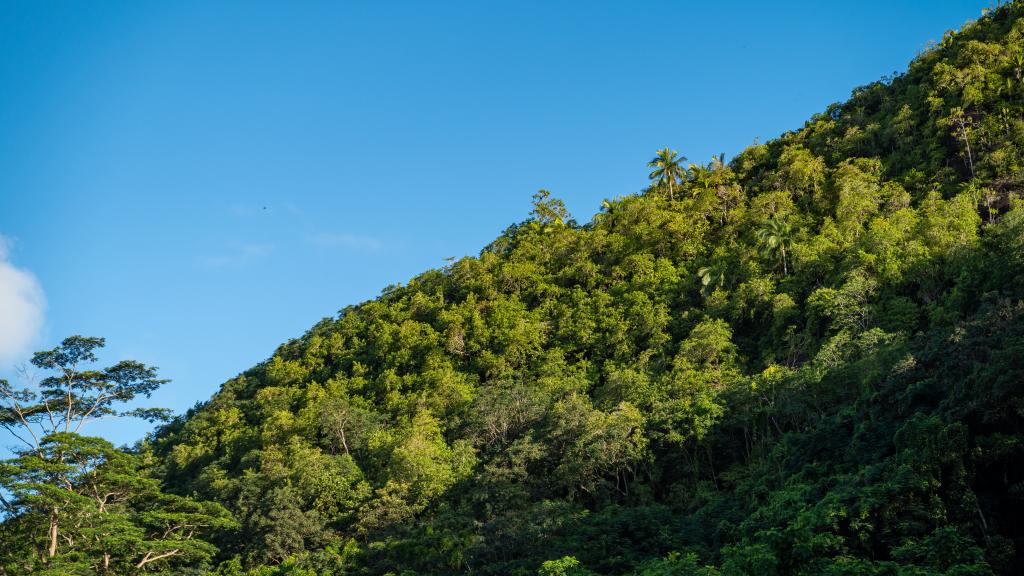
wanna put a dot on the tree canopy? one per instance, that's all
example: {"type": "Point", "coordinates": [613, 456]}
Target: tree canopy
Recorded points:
{"type": "Point", "coordinates": [808, 359]}
{"type": "Point", "coordinates": [75, 504]}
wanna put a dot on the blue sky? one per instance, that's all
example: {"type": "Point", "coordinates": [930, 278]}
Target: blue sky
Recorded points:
{"type": "Point", "coordinates": [200, 181]}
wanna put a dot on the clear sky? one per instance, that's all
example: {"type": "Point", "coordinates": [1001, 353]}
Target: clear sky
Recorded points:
{"type": "Point", "coordinates": [200, 181]}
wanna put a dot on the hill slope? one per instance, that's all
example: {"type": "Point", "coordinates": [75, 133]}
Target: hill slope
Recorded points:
{"type": "Point", "coordinates": [807, 361]}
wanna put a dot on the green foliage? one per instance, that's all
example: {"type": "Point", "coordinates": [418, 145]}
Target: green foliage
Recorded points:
{"type": "Point", "coordinates": [77, 505]}
{"type": "Point", "coordinates": [567, 566]}
{"type": "Point", "coordinates": [668, 170]}
{"type": "Point", "coordinates": [776, 239]}
{"type": "Point", "coordinates": [808, 361]}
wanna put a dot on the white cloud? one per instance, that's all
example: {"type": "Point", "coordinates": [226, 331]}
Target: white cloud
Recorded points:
{"type": "Point", "coordinates": [349, 241]}
{"type": "Point", "coordinates": [21, 309]}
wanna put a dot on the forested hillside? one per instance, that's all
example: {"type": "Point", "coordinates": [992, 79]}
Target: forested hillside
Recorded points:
{"type": "Point", "coordinates": [806, 360]}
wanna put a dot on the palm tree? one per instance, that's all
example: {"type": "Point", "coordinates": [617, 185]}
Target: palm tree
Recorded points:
{"type": "Point", "coordinates": [775, 236]}
{"type": "Point", "coordinates": [711, 277]}
{"type": "Point", "coordinates": [718, 162]}
{"type": "Point", "coordinates": [702, 177]}
{"type": "Point", "coordinates": [668, 167]}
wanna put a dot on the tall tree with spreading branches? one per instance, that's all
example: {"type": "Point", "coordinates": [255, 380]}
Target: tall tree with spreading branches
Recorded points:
{"type": "Point", "coordinates": [87, 506]}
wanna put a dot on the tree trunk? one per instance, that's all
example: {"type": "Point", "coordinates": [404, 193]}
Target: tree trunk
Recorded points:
{"type": "Point", "coordinates": [52, 551]}
{"type": "Point", "coordinates": [967, 143]}
{"type": "Point", "coordinates": [711, 465]}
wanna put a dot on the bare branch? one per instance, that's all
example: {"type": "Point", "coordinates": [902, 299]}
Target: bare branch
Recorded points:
{"type": "Point", "coordinates": [6, 504]}
{"type": "Point", "coordinates": [70, 376]}
{"type": "Point", "coordinates": [92, 409]}
{"type": "Point", "coordinates": [150, 557]}
{"type": "Point", "coordinates": [22, 440]}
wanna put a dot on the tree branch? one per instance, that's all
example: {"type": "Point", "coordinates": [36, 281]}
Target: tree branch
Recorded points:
{"type": "Point", "coordinates": [25, 424]}
{"type": "Point", "coordinates": [150, 557]}
{"type": "Point", "coordinates": [23, 441]}
{"type": "Point", "coordinates": [95, 405]}
{"type": "Point", "coordinates": [8, 505]}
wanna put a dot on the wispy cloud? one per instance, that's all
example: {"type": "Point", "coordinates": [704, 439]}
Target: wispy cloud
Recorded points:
{"type": "Point", "coordinates": [238, 255]}
{"type": "Point", "coordinates": [347, 241]}
{"type": "Point", "coordinates": [21, 308]}
{"type": "Point", "coordinates": [244, 210]}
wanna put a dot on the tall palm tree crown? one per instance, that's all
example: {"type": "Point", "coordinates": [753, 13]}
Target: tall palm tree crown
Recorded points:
{"type": "Point", "coordinates": [775, 236]}
{"type": "Point", "coordinates": [701, 178]}
{"type": "Point", "coordinates": [668, 168]}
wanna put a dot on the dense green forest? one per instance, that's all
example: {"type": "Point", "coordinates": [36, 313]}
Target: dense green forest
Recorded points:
{"type": "Point", "coordinates": [806, 360]}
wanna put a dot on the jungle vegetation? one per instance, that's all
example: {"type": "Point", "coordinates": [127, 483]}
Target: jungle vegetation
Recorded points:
{"type": "Point", "coordinates": [808, 359]}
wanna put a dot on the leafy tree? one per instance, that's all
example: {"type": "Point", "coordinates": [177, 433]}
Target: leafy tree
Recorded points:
{"type": "Point", "coordinates": [567, 566]}
{"type": "Point", "coordinates": [85, 506]}
{"type": "Point", "coordinates": [803, 174]}
{"type": "Point", "coordinates": [858, 194]}
{"type": "Point", "coordinates": [548, 210]}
